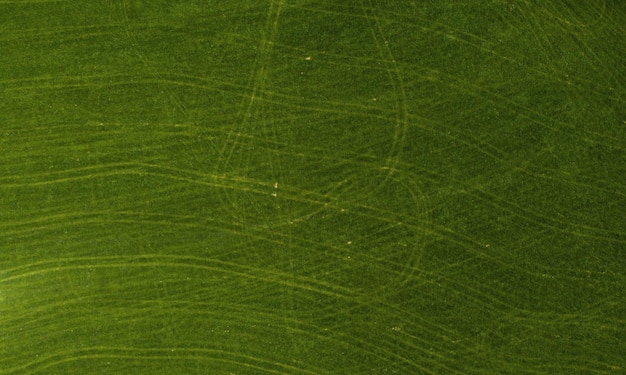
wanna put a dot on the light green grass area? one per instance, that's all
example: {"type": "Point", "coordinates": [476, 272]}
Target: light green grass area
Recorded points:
{"type": "Point", "coordinates": [324, 187]}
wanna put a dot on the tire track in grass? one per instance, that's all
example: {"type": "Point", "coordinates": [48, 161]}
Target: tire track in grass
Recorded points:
{"type": "Point", "coordinates": [557, 175]}
{"type": "Point", "coordinates": [561, 76]}
{"type": "Point", "coordinates": [399, 116]}
{"type": "Point", "coordinates": [256, 89]}
{"type": "Point", "coordinates": [485, 294]}
{"type": "Point", "coordinates": [108, 354]}
{"type": "Point", "coordinates": [61, 34]}
{"type": "Point", "coordinates": [389, 166]}
{"type": "Point", "coordinates": [528, 214]}
{"type": "Point", "coordinates": [466, 139]}
{"type": "Point", "coordinates": [21, 2]}
{"type": "Point", "coordinates": [236, 270]}
{"type": "Point", "coordinates": [547, 73]}
{"type": "Point", "coordinates": [53, 219]}
{"type": "Point", "coordinates": [334, 335]}
{"type": "Point", "coordinates": [321, 201]}
{"type": "Point", "coordinates": [180, 263]}
{"type": "Point", "coordinates": [132, 38]}
{"type": "Point", "coordinates": [87, 263]}
{"type": "Point", "coordinates": [248, 122]}
{"type": "Point", "coordinates": [471, 346]}
{"type": "Point", "coordinates": [185, 176]}
{"type": "Point", "coordinates": [397, 81]}
{"type": "Point", "coordinates": [574, 25]}
{"type": "Point", "coordinates": [379, 46]}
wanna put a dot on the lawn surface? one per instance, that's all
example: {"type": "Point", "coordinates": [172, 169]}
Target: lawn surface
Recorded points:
{"type": "Point", "coordinates": [328, 187]}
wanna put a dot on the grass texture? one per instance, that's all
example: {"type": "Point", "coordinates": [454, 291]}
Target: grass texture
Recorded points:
{"type": "Point", "coordinates": [312, 187]}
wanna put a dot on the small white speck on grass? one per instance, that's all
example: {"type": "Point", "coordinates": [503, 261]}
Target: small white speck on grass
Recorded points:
{"type": "Point", "coordinates": [308, 58]}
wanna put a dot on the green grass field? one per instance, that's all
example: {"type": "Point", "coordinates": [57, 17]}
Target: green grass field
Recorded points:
{"type": "Point", "coordinates": [328, 187]}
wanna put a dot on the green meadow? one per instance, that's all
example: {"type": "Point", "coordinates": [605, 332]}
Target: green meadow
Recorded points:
{"type": "Point", "coordinates": [312, 187]}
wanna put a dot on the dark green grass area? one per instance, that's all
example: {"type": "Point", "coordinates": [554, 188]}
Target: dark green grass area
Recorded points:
{"type": "Point", "coordinates": [330, 187]}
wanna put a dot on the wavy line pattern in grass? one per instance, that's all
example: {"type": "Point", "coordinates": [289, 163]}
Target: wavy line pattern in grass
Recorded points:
{"type": "Point", "coordinates": [274, 187]}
